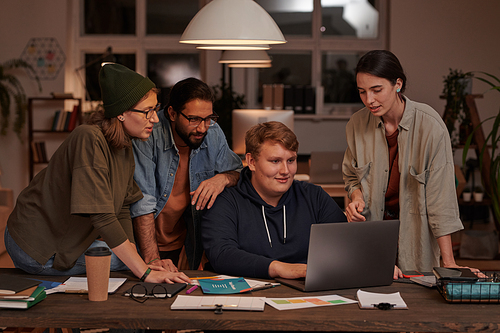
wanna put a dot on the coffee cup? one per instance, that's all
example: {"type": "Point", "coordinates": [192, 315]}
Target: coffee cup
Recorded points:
{"type": "Point", "coordinates": [98, 260]}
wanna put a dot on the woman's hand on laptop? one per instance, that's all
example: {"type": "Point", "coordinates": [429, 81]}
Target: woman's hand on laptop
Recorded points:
{"type": "Point", "coordinates": [355, 207]}
{"type": "Point", "coordinates": [287, 271]}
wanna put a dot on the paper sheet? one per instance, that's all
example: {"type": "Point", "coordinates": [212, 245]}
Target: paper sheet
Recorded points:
{"type": "Point", "coordinates": [79, 285]}
{"type": "Point", "coordinates": [367, 300]}
{"type": "Point", "coordinates": [291, 303]}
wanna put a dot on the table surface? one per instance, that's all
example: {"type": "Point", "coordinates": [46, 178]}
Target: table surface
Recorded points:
{"type": "Point", "coordinates": [427, 312]}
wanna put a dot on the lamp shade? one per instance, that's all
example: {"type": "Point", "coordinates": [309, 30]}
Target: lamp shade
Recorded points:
{"type": "Point", "coordinates": [233, 47]}
{"type": "Point", "coordinates": [244, 57]}
{"type": "Point", "coordinates": [262, 65]}
{"type": "Point", "coordinates": [229, 22]}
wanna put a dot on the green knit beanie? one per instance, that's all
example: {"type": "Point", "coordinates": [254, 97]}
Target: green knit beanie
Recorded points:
{"type": "Point", "coordinates": [121, 88]}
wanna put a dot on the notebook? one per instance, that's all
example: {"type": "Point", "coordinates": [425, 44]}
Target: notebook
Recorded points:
{"type": "Point", "coordinates": [349, 255]}
{"type": "Point", "coordinates": [326, 167]}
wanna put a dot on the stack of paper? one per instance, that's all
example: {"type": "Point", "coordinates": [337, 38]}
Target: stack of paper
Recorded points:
{"type": "Point", "coordinates": [184, 302]}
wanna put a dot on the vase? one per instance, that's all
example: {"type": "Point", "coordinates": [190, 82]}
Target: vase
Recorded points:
{"type": "Point", "coordinates": [478, 196]}
{"type": "Point", "coordinates": [466, 196]}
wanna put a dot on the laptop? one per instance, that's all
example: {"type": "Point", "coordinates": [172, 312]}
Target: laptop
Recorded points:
{"type": "Point", "coordinates": [349, 255]}
{"type": "Point", "coordinates": [326, 167]}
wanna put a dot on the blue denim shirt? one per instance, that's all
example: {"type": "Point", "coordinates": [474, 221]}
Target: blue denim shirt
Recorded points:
{"type": "Point", "coordinates": [156, 163]}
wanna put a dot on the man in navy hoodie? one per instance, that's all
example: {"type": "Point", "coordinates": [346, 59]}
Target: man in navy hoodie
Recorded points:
{"type": "Point", "coordinates": [260, 228]}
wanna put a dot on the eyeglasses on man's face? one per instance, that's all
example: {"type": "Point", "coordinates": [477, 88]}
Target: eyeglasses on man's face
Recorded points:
{"type": "Point", "coordinates": [149, 112]}
{"type": "Point", "coordinates": [196, 121]}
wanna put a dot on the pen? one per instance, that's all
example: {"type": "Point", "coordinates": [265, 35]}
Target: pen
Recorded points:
{"type": "Point", "coordinates": [76, 291]}
{"type": "Point", "coordinates": [190, 290]}
{"type": "Point", "coordinates": [266, 286]}
{"type": "Point", "coordinates": [204, 277]}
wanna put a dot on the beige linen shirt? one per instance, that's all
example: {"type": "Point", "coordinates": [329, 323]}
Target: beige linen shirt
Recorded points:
{"type": "Point", "coordinates": [427, 196]}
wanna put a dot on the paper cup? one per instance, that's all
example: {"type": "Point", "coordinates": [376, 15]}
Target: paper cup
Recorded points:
{"type": "Point", "coordinates": [97, 260]}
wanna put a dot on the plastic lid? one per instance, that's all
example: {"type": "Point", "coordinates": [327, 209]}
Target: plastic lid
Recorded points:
{"type": "Point", "coordinates": [98, 251]}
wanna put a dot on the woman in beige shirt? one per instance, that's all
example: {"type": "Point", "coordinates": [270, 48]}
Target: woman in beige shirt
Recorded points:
{"type": "Point", "coordinates": [399, 165]}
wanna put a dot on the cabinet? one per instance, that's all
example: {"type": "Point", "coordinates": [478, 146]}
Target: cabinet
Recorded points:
{"type": "Point", "coordinates": [50, 105]}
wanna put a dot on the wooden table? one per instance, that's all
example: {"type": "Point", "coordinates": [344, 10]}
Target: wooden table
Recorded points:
{"type": "Point", "coordinates": [428, 312]}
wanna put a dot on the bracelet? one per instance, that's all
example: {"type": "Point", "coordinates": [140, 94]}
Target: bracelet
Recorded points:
{"type": "Point", "coordinates": [153, 260]}
{"type": "Point", "coordinates": [146, 274]}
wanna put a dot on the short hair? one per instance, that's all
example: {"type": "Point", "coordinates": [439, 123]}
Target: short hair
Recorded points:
{"type": "Point", "coordinates": [270, 131]}
{"type": "Point", "coordinates": [187, 90]}
{"type": "Point", "coordinates": [112, 128]}
{"type": "Point", "coordinates": [384, 64]}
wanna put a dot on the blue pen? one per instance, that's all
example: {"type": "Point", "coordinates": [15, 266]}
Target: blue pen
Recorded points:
{"type": "Point", "coordinates": [190, 290]}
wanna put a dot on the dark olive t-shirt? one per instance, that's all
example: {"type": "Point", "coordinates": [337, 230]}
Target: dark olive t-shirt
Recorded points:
{"type": "Point", "coordinates": [84, 176]}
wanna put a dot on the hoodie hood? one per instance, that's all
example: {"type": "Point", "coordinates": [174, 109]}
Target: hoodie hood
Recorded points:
{"type": "Point", "coordinates": [246, 189]}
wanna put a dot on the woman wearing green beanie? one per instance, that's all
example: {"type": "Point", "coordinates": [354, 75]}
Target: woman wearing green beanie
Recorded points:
{"type": "Point", "coordinates": [81, 199]}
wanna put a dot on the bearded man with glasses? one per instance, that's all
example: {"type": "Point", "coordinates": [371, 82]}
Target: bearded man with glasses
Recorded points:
{"type": "Point", "coordinates": [181, 169]}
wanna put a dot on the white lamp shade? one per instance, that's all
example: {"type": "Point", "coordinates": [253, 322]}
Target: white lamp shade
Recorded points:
{"type": "Point", "coordinates": [234, 47]}
{"type": "Point", "coordinates": [262, 65]}
{"type": "Point", "coordinates": [226, 22]}
{"type": "Point", "coordinates": [244, 57]}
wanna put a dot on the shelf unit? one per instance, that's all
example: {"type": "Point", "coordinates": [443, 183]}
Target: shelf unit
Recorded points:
{"type": "Point", "coordinates": [478, 142]}
{"type": "Point", "coordinates": [32, 131]}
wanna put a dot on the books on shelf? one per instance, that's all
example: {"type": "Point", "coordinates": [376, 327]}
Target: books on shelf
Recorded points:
{"type": "Point", "coordinates": [39, 152]}
{"type": "Point", "coordinates": [72, 119]}
{"type": "Point", "coordinates": [65, 121]}
{"type": "Point", "coordinates": [17, 303]}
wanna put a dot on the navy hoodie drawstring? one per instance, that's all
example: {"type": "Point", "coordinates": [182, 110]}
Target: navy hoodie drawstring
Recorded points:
{"type": "Point", "coordinates": [267, 228]}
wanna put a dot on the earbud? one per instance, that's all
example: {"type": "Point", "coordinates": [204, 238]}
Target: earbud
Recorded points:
{"type": "Point", "coordinates": [121, 118]}
{"type": "Point", "coordinates": [399, 90]}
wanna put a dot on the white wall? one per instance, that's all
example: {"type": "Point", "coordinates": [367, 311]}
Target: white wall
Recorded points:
{"type": "Point", "coordinates": [428, 36]}
{"type": "Point", "coordinates": [20, 21]}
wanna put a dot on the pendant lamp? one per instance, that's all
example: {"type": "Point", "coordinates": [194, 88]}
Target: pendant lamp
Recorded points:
{"type": "Point", "coordinates": [230, 22]}
{"type": "Point", "coordinates": [244, 57]}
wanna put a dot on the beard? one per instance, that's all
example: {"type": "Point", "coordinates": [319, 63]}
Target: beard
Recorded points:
{"type": "Point", "coordinates": [188, 137]}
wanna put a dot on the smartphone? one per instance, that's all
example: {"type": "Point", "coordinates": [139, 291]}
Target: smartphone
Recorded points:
{"type": "Point", "coordinates": [409, 274]}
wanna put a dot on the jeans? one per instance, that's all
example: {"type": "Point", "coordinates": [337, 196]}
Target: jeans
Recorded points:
{"type": "Point", "coordinates": [23, 261]}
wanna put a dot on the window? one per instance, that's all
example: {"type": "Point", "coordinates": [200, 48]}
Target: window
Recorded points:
{"type": "Point", "coordinates": [324, 43]}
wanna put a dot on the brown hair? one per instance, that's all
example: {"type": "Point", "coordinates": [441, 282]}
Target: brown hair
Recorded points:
{"type": "Point", "coordinates": [112, 128]}
{"type": "Point", "coordinates": [273, 131]}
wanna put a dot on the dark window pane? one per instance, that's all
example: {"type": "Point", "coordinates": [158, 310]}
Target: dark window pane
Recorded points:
{"type": "Point", "coordinates": [338, 78]}
{"type": "Point", "coordinates": [169, 16]}
{"type": "Point", "coordinates": [93, 62]}
{"type": "Point", "coordinates": [109, 17]}
{"type": "Point", "coordinates": [165, 70]}
{"type": "Point", "coordinates": [290, 69]}
{"type": "Point", "coordinates": [348, 18]}
{"type": "Point", "coordinates": [293, 17]}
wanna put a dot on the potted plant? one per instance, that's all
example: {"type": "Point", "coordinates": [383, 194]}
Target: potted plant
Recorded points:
{"type": "Point", "coordinates": [456, 86]}
{"type": "Point", "coordinates": [493, 141]}
{"type": "Point", "coordinates": [478, 194]}
{"type": "Point", "coordinates": [466, 194]}
{"type": "Point", "coordinates": [10, 87]}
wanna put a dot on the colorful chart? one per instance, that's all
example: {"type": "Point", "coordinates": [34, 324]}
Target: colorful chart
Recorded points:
{"type": "Point", "coordinates": [307, 302]}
